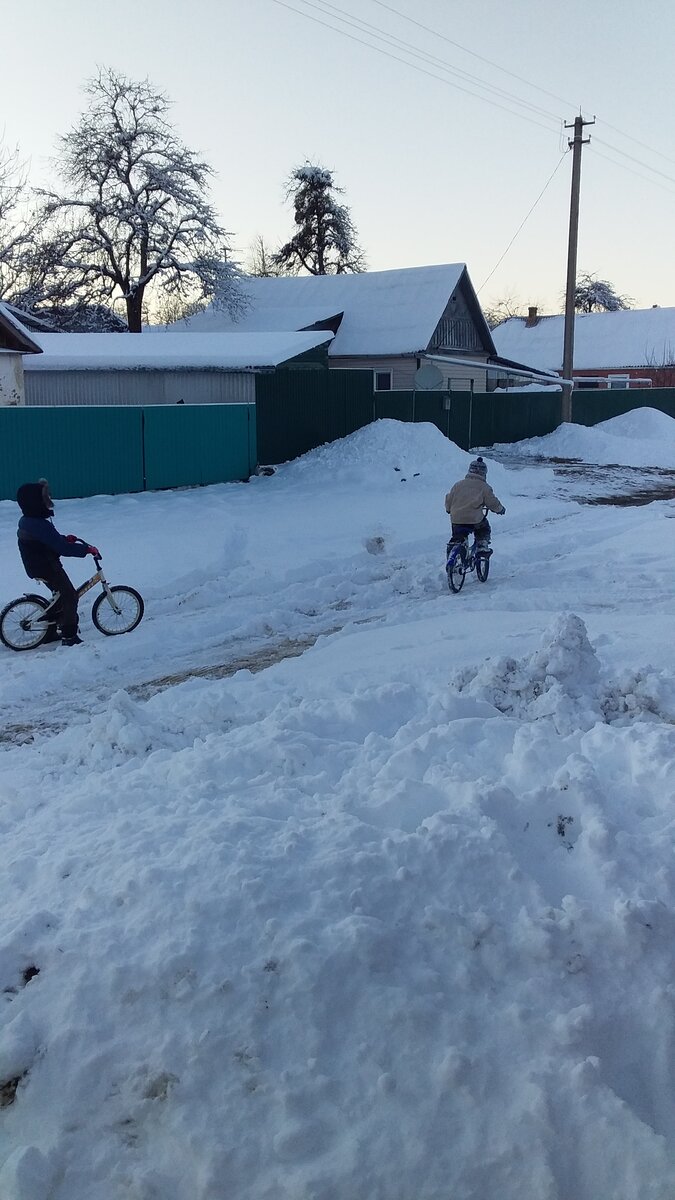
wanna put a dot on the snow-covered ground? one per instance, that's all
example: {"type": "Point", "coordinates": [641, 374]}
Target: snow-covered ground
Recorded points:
{"type": "Point", "coordinates": [389, 912]}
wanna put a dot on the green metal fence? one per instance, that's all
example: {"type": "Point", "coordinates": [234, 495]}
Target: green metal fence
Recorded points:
{"type": "Point", "coordinates": [197, 444]}
{"type": "Point", "coordinates": [108, 450]}
{"type": "Point", "coordinates": [81, 451]}
{"type": "Point", "coordinates": [298, 410]}
{"type": "Point", "coordinates": [590, 407]}
{"type": "Point", "coordinates": [475, 418]}
{"type": "Point", "coordinates": [86, 451]}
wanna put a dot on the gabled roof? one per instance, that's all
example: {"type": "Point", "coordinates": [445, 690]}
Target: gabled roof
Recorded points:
{"type": "Point", "coordinates": [384, 312]}
{"type": "Point", "coordinates": [602, 341]}
{"type": "Point", "coordinates": [13, 335]}
{"type": "Point", "coordinates": [171, 350]}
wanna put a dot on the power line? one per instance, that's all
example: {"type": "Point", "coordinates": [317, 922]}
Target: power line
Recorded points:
{"type": "Point", "coordinates": [407, 63]}
{"type": "Point", "coordinates": [374, 30]}
{"type": "Point", "coordinates": [638, 161]}
{"type": "Point", "coordinates": [523, 222]}
{"type": "Point", "coordinates": [639, 142]}
{"type": "Point", "coordinates": [638, 174]}
{"type": "Point", "coordinates": [437, 34]}
{"type": "Point", "coordinates": [388, 40]}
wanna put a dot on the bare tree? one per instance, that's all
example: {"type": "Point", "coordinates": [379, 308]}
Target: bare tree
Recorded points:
{"type": "Point", "coordinates": [592, 294]}
{"type": "Point", "coordinates": [325, 240]}
{"type": "Point", "coordinates": [501, 310]}
{"type": "Point", "coordinates": [662, 371]}
{"type": "Point", "coordinates": [134, 220]}
{"type": "Point", "coordinates": [15, 229]}
{"type": "Point", "coordinates": [170, 309]}
{"type": "Point", "coordinates": [262, 262]}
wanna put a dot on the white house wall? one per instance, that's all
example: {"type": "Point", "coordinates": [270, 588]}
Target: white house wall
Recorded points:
{"type": "Point", "coordinates": [11, 379]}
{"type": "Point", "coordinates": [403, 370]}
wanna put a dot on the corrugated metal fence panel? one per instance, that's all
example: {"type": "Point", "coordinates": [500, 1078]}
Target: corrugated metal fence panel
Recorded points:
{"type": "Point", "coordinates": [499, 417]}
{"type": "Point", "coordinates": [208, 387]}
{"type": "Point", "coordinates": [352, 392]}
{"type": "Point", "coordinates": [136, 388]}
{"type": "Point", "coordinates": [82, 452]}
{"type": "Point", "coordinates": [198, 444]}
{"type": "Point", "coordinates": [590, 407]}
{"type": "Point", "coordinates": [89, 388]}
{"type": "Point", "coordinates": [298, 410]}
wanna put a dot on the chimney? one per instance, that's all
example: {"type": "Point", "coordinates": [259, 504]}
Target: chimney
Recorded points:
{"type": "Point", "coordinates": [532, 318]}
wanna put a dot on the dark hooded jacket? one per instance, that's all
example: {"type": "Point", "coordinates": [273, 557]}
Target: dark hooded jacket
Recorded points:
{"type": "Point", "coordinates": [40, 545]}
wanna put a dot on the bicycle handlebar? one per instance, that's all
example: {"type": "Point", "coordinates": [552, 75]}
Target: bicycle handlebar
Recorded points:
{"type": "Point", "coordinates": [96, 557]}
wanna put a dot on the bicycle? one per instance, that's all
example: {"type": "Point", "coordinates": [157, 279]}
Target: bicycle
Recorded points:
{"type": "Point", "coordinates": [31, 619]}
{"type": "Point", "coordinates": [462, 559]}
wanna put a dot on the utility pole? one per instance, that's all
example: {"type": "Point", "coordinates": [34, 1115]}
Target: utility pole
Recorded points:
{"type": "Point", "coordinates": [568, 345]}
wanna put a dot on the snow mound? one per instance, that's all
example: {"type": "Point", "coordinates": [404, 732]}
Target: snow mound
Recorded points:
{"type": "Point", "coordinates": [645, 424]}
{"type": "Point", "coordinates": [562, 682]}
{"type": "Point", "coordinates": [385, 450]}
{"type": "Point", "coordinates": [631, 443]}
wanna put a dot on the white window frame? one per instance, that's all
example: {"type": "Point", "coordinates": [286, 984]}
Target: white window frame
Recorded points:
{"type": "Point", "coordinates": [617, 383]}
{"type": "Point", "coordinates": [383, 371]}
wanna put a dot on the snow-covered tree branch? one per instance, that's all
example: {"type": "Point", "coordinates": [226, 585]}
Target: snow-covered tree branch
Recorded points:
{"type": "Point", "coordinates": [15, 229]}
{"type": "Point", "coordinates": [133, 220]}
{"type": "Point", "coordinates": [592, 294]}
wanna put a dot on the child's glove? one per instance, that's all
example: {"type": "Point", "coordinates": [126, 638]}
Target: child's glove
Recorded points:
{"type": "Point", "coordinates": [501, 511]}
{"type": "Point", "coordinates": [93, 551]}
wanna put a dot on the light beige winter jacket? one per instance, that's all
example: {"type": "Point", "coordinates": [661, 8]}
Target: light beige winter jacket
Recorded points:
{"type": "Point", "coordinates": [466, 500]}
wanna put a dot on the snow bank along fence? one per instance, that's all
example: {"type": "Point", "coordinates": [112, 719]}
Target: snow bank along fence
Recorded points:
{"type": "Point", "coordinates": [89, 451]}
{"type": "Point", "coordinates": [298, 410]}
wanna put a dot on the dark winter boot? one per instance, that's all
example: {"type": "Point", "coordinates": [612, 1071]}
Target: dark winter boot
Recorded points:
{"type": "Point", "coordinates": [75, 640]}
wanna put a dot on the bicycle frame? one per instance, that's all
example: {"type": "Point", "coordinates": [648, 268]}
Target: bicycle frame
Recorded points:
{"type": "Point", "coordinates": [468, 550]}
{"type": "Point", "coordinates": [81, 591]}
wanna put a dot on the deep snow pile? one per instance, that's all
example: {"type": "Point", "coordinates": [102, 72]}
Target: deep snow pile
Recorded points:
{"type": "Point", "coordinates": [644, 437]}
{"type": "Point", "coordinates": [391, 918]}
{"type": "Point", "coordinates": [561, 680]}
{"type": "Point", "coordinates": [377, 454]}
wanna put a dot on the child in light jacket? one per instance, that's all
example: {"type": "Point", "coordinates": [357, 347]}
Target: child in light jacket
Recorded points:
{"type": "Point", "coordinates": [466, 503]}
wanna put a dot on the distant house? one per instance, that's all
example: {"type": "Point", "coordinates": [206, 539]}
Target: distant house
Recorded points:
{"type": "Point", "coordinates": [178, 367]}
{"type": "Point", "coordinates": [625, 349]}
{"type": "Point", "coordinates": [15, 341]}
{"type": "Point", "coordinates": [391, 322]}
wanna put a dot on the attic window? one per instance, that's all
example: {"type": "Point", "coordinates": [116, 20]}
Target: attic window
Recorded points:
{"type": "Point", "coordinates": [383, 381]}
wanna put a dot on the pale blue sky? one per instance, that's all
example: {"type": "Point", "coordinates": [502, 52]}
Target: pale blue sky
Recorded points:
{"type": "Point", "coordinates": [431, 174]}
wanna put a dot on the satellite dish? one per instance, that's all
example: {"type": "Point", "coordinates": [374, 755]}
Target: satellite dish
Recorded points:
{"type": "Point", "coordinates": [428, 378]}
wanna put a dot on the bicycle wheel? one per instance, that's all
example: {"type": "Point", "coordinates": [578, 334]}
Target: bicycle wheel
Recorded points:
{"type": "Point", "coordinates": [130, 606]}
{"type": "Point", "coordinates": [482, 566]}
{"type": "Point", "coordinates": [456, 569]}
{"type": "Point", "coordinates": [20, 624]}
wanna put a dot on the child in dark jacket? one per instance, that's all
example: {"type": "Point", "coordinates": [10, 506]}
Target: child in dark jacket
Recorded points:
{"type": "Point", "coordinates": [41, 548]}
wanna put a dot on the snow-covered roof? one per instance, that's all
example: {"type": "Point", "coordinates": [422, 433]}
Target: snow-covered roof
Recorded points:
{"type": "Point", "coordinates": [169, 349]}
{"type": "Point", "coordinates": [18, 336]}
{"type": "Point", "coordinates": [385, 312]}
{"type": "Point", "coordinates": [603, 340]}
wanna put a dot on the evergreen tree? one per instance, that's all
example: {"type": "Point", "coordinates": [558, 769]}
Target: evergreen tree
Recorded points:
{"type": "Point", "coordinates": [325, 240]}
